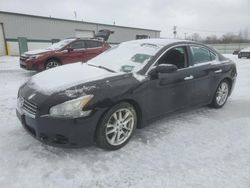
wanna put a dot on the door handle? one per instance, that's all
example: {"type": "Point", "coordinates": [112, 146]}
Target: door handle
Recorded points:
{"type": "Point", "coordinates": [189, 77]}
{"type": "Point", "coordinates": [218, 71]}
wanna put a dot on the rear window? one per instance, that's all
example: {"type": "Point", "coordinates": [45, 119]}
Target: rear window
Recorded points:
{"type": "Point", "coordinates": [92, 44]}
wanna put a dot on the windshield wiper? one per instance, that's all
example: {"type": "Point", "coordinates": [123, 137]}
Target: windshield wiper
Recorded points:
{"type": "Point", "coordinates": [101, 67]}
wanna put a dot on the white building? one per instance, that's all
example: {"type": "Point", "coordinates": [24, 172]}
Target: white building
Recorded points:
{"type": "Point", "coordinates": [40, 31]}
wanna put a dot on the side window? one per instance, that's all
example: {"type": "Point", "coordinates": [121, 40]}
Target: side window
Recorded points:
{"type": "Point", "coordinates": [176, 56]}
{"type": "Point", "coordinates": [77, 45]}
{"type": "Point", "coordinates": [93, 44]}
{"type": "Point", "coordinates": [200, 54]}
{"type": "Point", "coordinates": [142, 37]}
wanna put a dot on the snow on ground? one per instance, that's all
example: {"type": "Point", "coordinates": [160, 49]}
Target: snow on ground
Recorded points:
{"type": "Point", "coordinates": [198, 148]}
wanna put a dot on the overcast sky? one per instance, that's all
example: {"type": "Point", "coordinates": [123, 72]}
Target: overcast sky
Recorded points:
{"type": "Point", "coordinates": [202, 16]}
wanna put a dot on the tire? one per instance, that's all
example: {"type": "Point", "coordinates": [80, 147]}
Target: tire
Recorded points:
{"type": "Point", "coordinates": [112, 133]}
{"type": "Point", "coordinates": [51, 63]}
{"type": "Point", "coordinates": [221, 94]}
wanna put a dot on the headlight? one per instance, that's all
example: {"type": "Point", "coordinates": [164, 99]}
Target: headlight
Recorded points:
{"type": "Point", "coordinates": [72, 108]}
{"type": "Point", "coordinates": [34, 56]}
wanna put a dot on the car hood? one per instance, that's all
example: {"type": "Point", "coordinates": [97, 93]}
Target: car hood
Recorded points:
{"type": "Point", "coordinates": [67, 76]}
{"type": "Point", "coordinates": [36, 52]}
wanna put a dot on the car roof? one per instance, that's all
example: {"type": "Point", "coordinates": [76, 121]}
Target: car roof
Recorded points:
{"type": "Point", "coordinates": [86, 38]}
{"type": "Point", "coordinates": [156, 41]}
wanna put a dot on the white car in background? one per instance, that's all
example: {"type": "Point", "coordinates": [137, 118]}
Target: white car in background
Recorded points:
{"type": "Point", "coordinates": [244, 53]}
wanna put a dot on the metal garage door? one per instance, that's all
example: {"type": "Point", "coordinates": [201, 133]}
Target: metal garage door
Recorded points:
{"type": "Point", "coordinates": [2, 44]}
{"type": "Point", "coordinates": [84, 34]}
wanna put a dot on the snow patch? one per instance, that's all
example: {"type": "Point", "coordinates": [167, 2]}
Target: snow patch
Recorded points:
{"type": "Point", "coordinates": [61, 78]}
{"type": "Point", "coordinates": [35, 52]}
{"type": "Point", "coordinates": [139, 77]}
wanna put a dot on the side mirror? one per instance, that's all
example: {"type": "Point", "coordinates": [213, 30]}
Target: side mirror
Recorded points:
{"type": "Point", "coordinates": [69, 49]}
{"type": "Point", "coordinates": [163, 68]}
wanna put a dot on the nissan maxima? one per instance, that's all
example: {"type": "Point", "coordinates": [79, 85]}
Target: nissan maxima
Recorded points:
{"type": "Point", "coordinates": [105, 100]}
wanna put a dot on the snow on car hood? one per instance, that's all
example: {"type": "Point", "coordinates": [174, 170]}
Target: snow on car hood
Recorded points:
{"type": "Point", "coordinates": [38, 51]}
{"type": "Point", "coordinates": [66, 76]}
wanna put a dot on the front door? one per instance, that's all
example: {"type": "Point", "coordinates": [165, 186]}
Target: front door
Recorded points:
{"type": "Point", "coordinates": [171, 91]}
{"type": "Point", "coordinates": [74, 52]}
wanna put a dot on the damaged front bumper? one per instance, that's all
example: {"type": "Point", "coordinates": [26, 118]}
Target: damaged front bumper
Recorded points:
{"type": "Point", "coordinates": [62, 132]}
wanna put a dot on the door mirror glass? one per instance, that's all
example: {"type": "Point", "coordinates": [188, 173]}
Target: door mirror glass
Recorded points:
{"type": "Point", "coordinates": [163, 68]}
{"type": "Point", "coordinates": [70, 49]}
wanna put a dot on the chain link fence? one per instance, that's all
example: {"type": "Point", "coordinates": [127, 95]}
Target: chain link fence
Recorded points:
{"type": "Point", "coordinates": [230, 47]}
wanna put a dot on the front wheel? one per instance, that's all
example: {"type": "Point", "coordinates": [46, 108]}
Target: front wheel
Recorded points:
{"type": "Point", "coordinates": [52, 63]}
{"type": "Point", "coordinates": [221, 94]}
{"type": "Point", "coordinates": [116, 127]}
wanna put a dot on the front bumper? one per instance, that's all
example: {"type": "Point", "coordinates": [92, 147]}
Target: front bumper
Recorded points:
{"type": "Point", "coordinates": [60, 131]}
{"type": "Point", "coordinates": [31, 65]}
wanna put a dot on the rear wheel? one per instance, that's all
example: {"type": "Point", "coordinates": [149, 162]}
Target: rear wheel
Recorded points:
{"type": "Point", "coordinates": [51, 63]}
{"type": "Point", "coordinates": [116, 127]}
{"type": "Point", "coordinates": [221, 94]}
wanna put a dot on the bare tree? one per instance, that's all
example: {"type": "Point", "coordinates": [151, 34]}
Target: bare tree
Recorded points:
{"type": "Point", "coordinates": [196, 37]}
{"type": "Point", "coordinates": [212, 39]}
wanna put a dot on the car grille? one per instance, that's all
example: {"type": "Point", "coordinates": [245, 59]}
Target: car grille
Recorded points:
{"type": "Point", "coordinates": [23, 58]}
{"type": "Point", "coordinates": [29, 108]}
{"type": "Point", "coordinates": [245, 53]}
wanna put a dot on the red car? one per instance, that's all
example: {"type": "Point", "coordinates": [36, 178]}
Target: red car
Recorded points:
{"type": "Point", "coordinates": [63, 52]}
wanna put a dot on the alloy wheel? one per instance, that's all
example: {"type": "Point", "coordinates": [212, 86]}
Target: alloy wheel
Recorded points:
{"type": "Point", "coordinates": [120, 126]}
{"type": "Point", "coordinates": [222, 93]}
{"type": "Point", "coordinates": [52, 64]}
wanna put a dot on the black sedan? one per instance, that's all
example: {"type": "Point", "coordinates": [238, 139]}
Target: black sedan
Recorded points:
{"type": "Point", "coordinates": [105, 100]}
{"type": "Point", "coordinates": [244, 53]}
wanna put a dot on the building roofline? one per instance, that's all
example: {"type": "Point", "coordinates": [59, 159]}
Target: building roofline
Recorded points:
{"type": "Point", "coordinates": [75, 21]}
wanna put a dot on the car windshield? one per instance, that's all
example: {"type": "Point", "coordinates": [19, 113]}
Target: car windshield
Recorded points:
{"type": "Point", "coordinates": [248, 48]}
{"type": "Point", "coordinates": [126, 57]}
{"type": "Point", "coordinates": [59, 45]}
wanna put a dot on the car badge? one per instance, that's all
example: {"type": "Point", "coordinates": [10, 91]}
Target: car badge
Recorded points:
{"type": "Point", "coordinates": [31, 96]}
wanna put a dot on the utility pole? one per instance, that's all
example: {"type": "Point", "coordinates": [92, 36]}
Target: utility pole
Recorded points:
{"type": "Point", "coordinates": [185, 36]}
{"type": "Point", "coordinates": [75, 13]}
{"type": "Point", "coordinates": [175, 31]}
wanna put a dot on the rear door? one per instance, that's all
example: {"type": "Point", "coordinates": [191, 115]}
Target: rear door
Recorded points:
{"type": "Point", "coordinates": [203, 65]}
{"type": "Point", "coordinates": [93, 48]}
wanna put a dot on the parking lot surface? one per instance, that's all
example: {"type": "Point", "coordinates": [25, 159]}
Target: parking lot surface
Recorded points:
{"type": "Point", "coordinates": [197, 148]}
